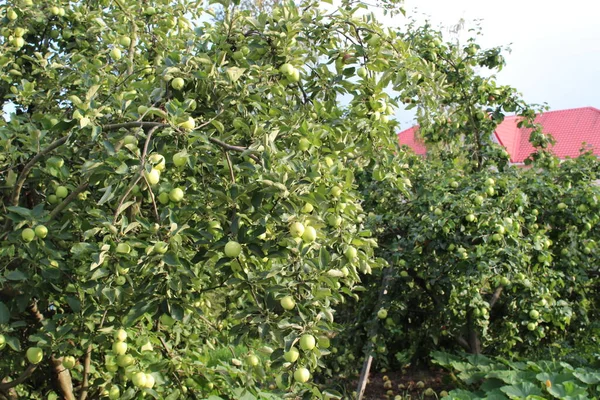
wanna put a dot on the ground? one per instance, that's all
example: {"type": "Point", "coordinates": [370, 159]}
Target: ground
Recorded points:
{"type": "Point", "coordinates": [407, 383]}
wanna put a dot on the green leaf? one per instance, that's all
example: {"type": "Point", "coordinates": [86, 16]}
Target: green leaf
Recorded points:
{"type": "Point", "coordinates": [74, 303]}
{"type": "Point", "coordinates": [4, 314]}
{"type": "Point", "coordinates": [521, 390]}
{"type": "Point", "coordinates": [234, 73]}
{"type": "Point", "coordinates": [171, 259]}
{"type": "Point", "coordinates": [15, 275]}
{"type": "Point", "coordinates": [217, 124]}
{"type": "Point", "coordinates": [22, 211]}
{"type": "Point", "coordinates": [13, 343]}
{"type": "Point", "coordinates": [137, 311]}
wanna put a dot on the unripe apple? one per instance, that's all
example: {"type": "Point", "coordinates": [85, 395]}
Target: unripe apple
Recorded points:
{"type": "Point", "coordinates": [114, 393]}
{"type": "Point", "coordinates": [115, 53]}
{"type": "Point", "coordinates": [180, 159]}
{"type": "Point", "coordinates": [123, 248]}
{"type": "Point", "coordinates": [297, 229]}
{"type": "Point", "coordinates": [149, 381]}
{"type": "Point", "coordinates": [233, 249]}
{"type": "Point", "coordinates": [307, 342]}
{"type": "Point", "coordinates": [34, 355]}
{"type": "Point", "coordinates": [309, 235]}
{"type": "Point", "coordinates": [11, 15]}
{"type": "Point", "coordinates": [177, 83]}
{"type": "Point", "coordinates": [2, 341]}
{"type": "Point", "coordinates": [188, 125]}
{"type": "Point", "coordinates": [149, 11]}
{"type": "Point", "coordinates": [68, 362]}
{"type": "Point", "coordinates": [382, 313]}
{"type": "Point", "coordinates": [291, 355]}
{"type": "Point", "coordinates": [125, 360]}
{"type": "Point", "coordinates": [139, 379]}
{"type": "Point", "coordinates": [121, 335]}
{"type": "Point", "coordinates": [130, 139]}
{"type": "Point", "coordinates": [158, 161]}
{"type": "Point", "coordinates": [351, 253]}
{"type": "Point", "coordinates": [119, 347]}
{"type": "Point", "coordinates": [362, 72]}
{"type": "Point", "coordinates": [287, 303]}
{"type": "Point", "coordinates": [534, 314]}
{"type": "Point", "coordinates": [153, 176]}
{"type": "Point", "coordinates": [286, 69]}
{"type": "Point", "coordinates": [301, 375]}
{"type": "Point", "coordinates": [125, 41]}
{"type": "Point", "coordinates": [61, 192]}
{"type": "Point", "coordinates": [28, 235]}
{"type": "Point", "coordinates": [161, 247]}
{"type": "Point", "coordinates": [163, 198]}
{"type": "Point", "coordinates": [323, 342]}
{"type": "Point", "coordinates": [176, 195]}
{"type": "Point", "coordinates": [252, 360]}
{"type": "Point", "coordinates": [307, 208]}
{"type": "Point", "coordinates": [336, 191]}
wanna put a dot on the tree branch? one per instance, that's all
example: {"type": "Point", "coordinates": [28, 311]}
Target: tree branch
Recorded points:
{"type": "Point", "coordinates": [496, 296]}
{"type": "Point", "coordinates": [63, 376]}
{"type": "Point", "coordinates": [4, 386]}
{"type": "Point", "coordinates": [68, 199]}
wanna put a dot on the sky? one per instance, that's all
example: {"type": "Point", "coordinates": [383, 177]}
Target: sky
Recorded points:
{"type": "Point", "coordinates": [555, 45]}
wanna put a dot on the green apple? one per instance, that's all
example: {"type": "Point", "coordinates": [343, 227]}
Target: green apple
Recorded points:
{"type": "Point", "coordinates": [177, 83]}
{"type": "Point", "coordinates": [142, 110]}
{"type": "Point", "coordinates": [121, 335]}
{"type": "Point", "coordinates": [123, 248]}
{"type": "Point", "coordinates": [297, 229]}
{"type": "Point", "coordinates": [307, 342]}
{"type": "Point", "coordinates": [158, 161]}
{"type": "Point", "coordinates": [115, 53]}
{"type": "Point", "coordinates": [125, 41]}
{"type": "Point", "coordinates": [68, 362]}
{"type": "Point", "coordinates": [362, 72]}
{"type": "Point", "coordinates": [328, 161]}
{"type": "Point", "coordinates": [149, 11]}
{"type": "Point", "coordinates": [334, 220]}
{"type": "Point", "coordinates": [307, 208]}
{"type": "Point", "coordinates": [119, 348]}
{"type": "Point", "coordinates": [351, 253]}
{"type": "Point", "coordinates": [252, 360]}
{"type": "Point", "coordinates": [130, 139]}
{"type": "Point", "coordinates": [11, 15]}
{"type": "Point", "coordinates": [2, 341]}
{"type": "Point", "coordinates": [504, 281]}
{"type": "Point", "coordinates": [304, 144]}
{"type": "Point", "coordinates": [233, 249]}
{"type": "Point", "coordinates": [176, 195]}
{"type": "Point", "coordinates": [437, 211]}
{"type": "Point", "coordinates": [139, 379]}
{"type": "Point", "coordinates": [309, 235]}
{"type": "Point", "coordinates": [188, 125]}
{"type": "Point", "coordinates": [470, 217]}
{"type": "Point", "coordinates": [478, 200]}
{"type": "Point", "coordinates": [147, 347]}
{"type": "Point", "coordinates": [534, 314]}
{"type": "Point", "coordinates": [323, 342]}
{"type": "Point", "coordinates": [286, 69]}
{"type": "Point", "coordinates": [336, 191]}
{"type": "Point", "coordinates": [180, 159]}
{"type": "Point", "coordinates": [288, 303]}
{"type": "Point", "coordinates": [382, 313]}
{"type": "Point", "coordinates": [161, 247]}
{"type": "Point", "coordinates": [454, 184]}
{"type": "Point", "coordinates": [561, 206]}
{"type": "Point", "coordinates": [149, 381]}
{"type": "Point", "coordinates": [114, 393]}
{"type": "Point", "coordinates": [153, 176]}
{"type": "Point", "coordinates": [301, 375]}
{"type": "Point", "coordinates": [291, 355]}
{"type": "Point", "coordinates": [163, 198]}
{"type": "Point", "coordinates": [489, 182]}
{"type": "Point", "coordinates": [61, 192]}
{"type": "Point", "coordinates": [52, 199]}
{"type": "Point", "coordinates": [28, 235]}
{"type": "Point", "coordinates": [125, 360]}
{"type": "Point", "coordinates": [532, 326]}
{"type": "Point", "coordinates": [34, 355]}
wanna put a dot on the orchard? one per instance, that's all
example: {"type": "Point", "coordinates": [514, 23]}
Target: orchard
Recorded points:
{"type": "Point", "coordinates": [189, 209]}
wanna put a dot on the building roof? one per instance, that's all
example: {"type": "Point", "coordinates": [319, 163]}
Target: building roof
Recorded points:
{"type": "Point", "coordinates": [408, 138]}
{"type": "Point", "coordinates": [570, 128]}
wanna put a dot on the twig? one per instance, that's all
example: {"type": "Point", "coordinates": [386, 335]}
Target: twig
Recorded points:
{"type": "Point", "coordinates": [496, 296]}
{"type": "Point", "coordinates": [230, 167]}
{"type": "Point", "coordinates": [231, 147]}
{"type": "Point", "coordinates": [140, 175]}
{"type": "Point", "coordinates": [85, 384]}
{"type": "Point", "coordinates": [4, 386]}
{"type": "Point", "coordinates": [68, 200]}
{"type": "Point", "coordinates": [156, 215]}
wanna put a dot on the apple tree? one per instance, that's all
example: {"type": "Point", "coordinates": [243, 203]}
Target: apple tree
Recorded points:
{"type": "Point", "coordinates": [484, 256]}
{"type": "Point", "coordinates": [175, 187]}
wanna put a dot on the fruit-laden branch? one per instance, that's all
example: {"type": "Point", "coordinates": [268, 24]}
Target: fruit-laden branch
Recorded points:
{"type": "Point", "coordinates": [4, 386]}
{"type": "Point", "coordinates": [68, 200]}
{"type": "Point", "coordinates": [16, 194]}
{"type": "Point", "coordinates": [148, 124]}
{"type": "Point", "coordinates": [140, 175]}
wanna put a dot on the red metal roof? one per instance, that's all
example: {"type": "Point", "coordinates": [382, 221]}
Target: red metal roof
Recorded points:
{"type": "Point", "coordinates": [407, 138]}
{"type": "Point", "coordinates": [570, 128]}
